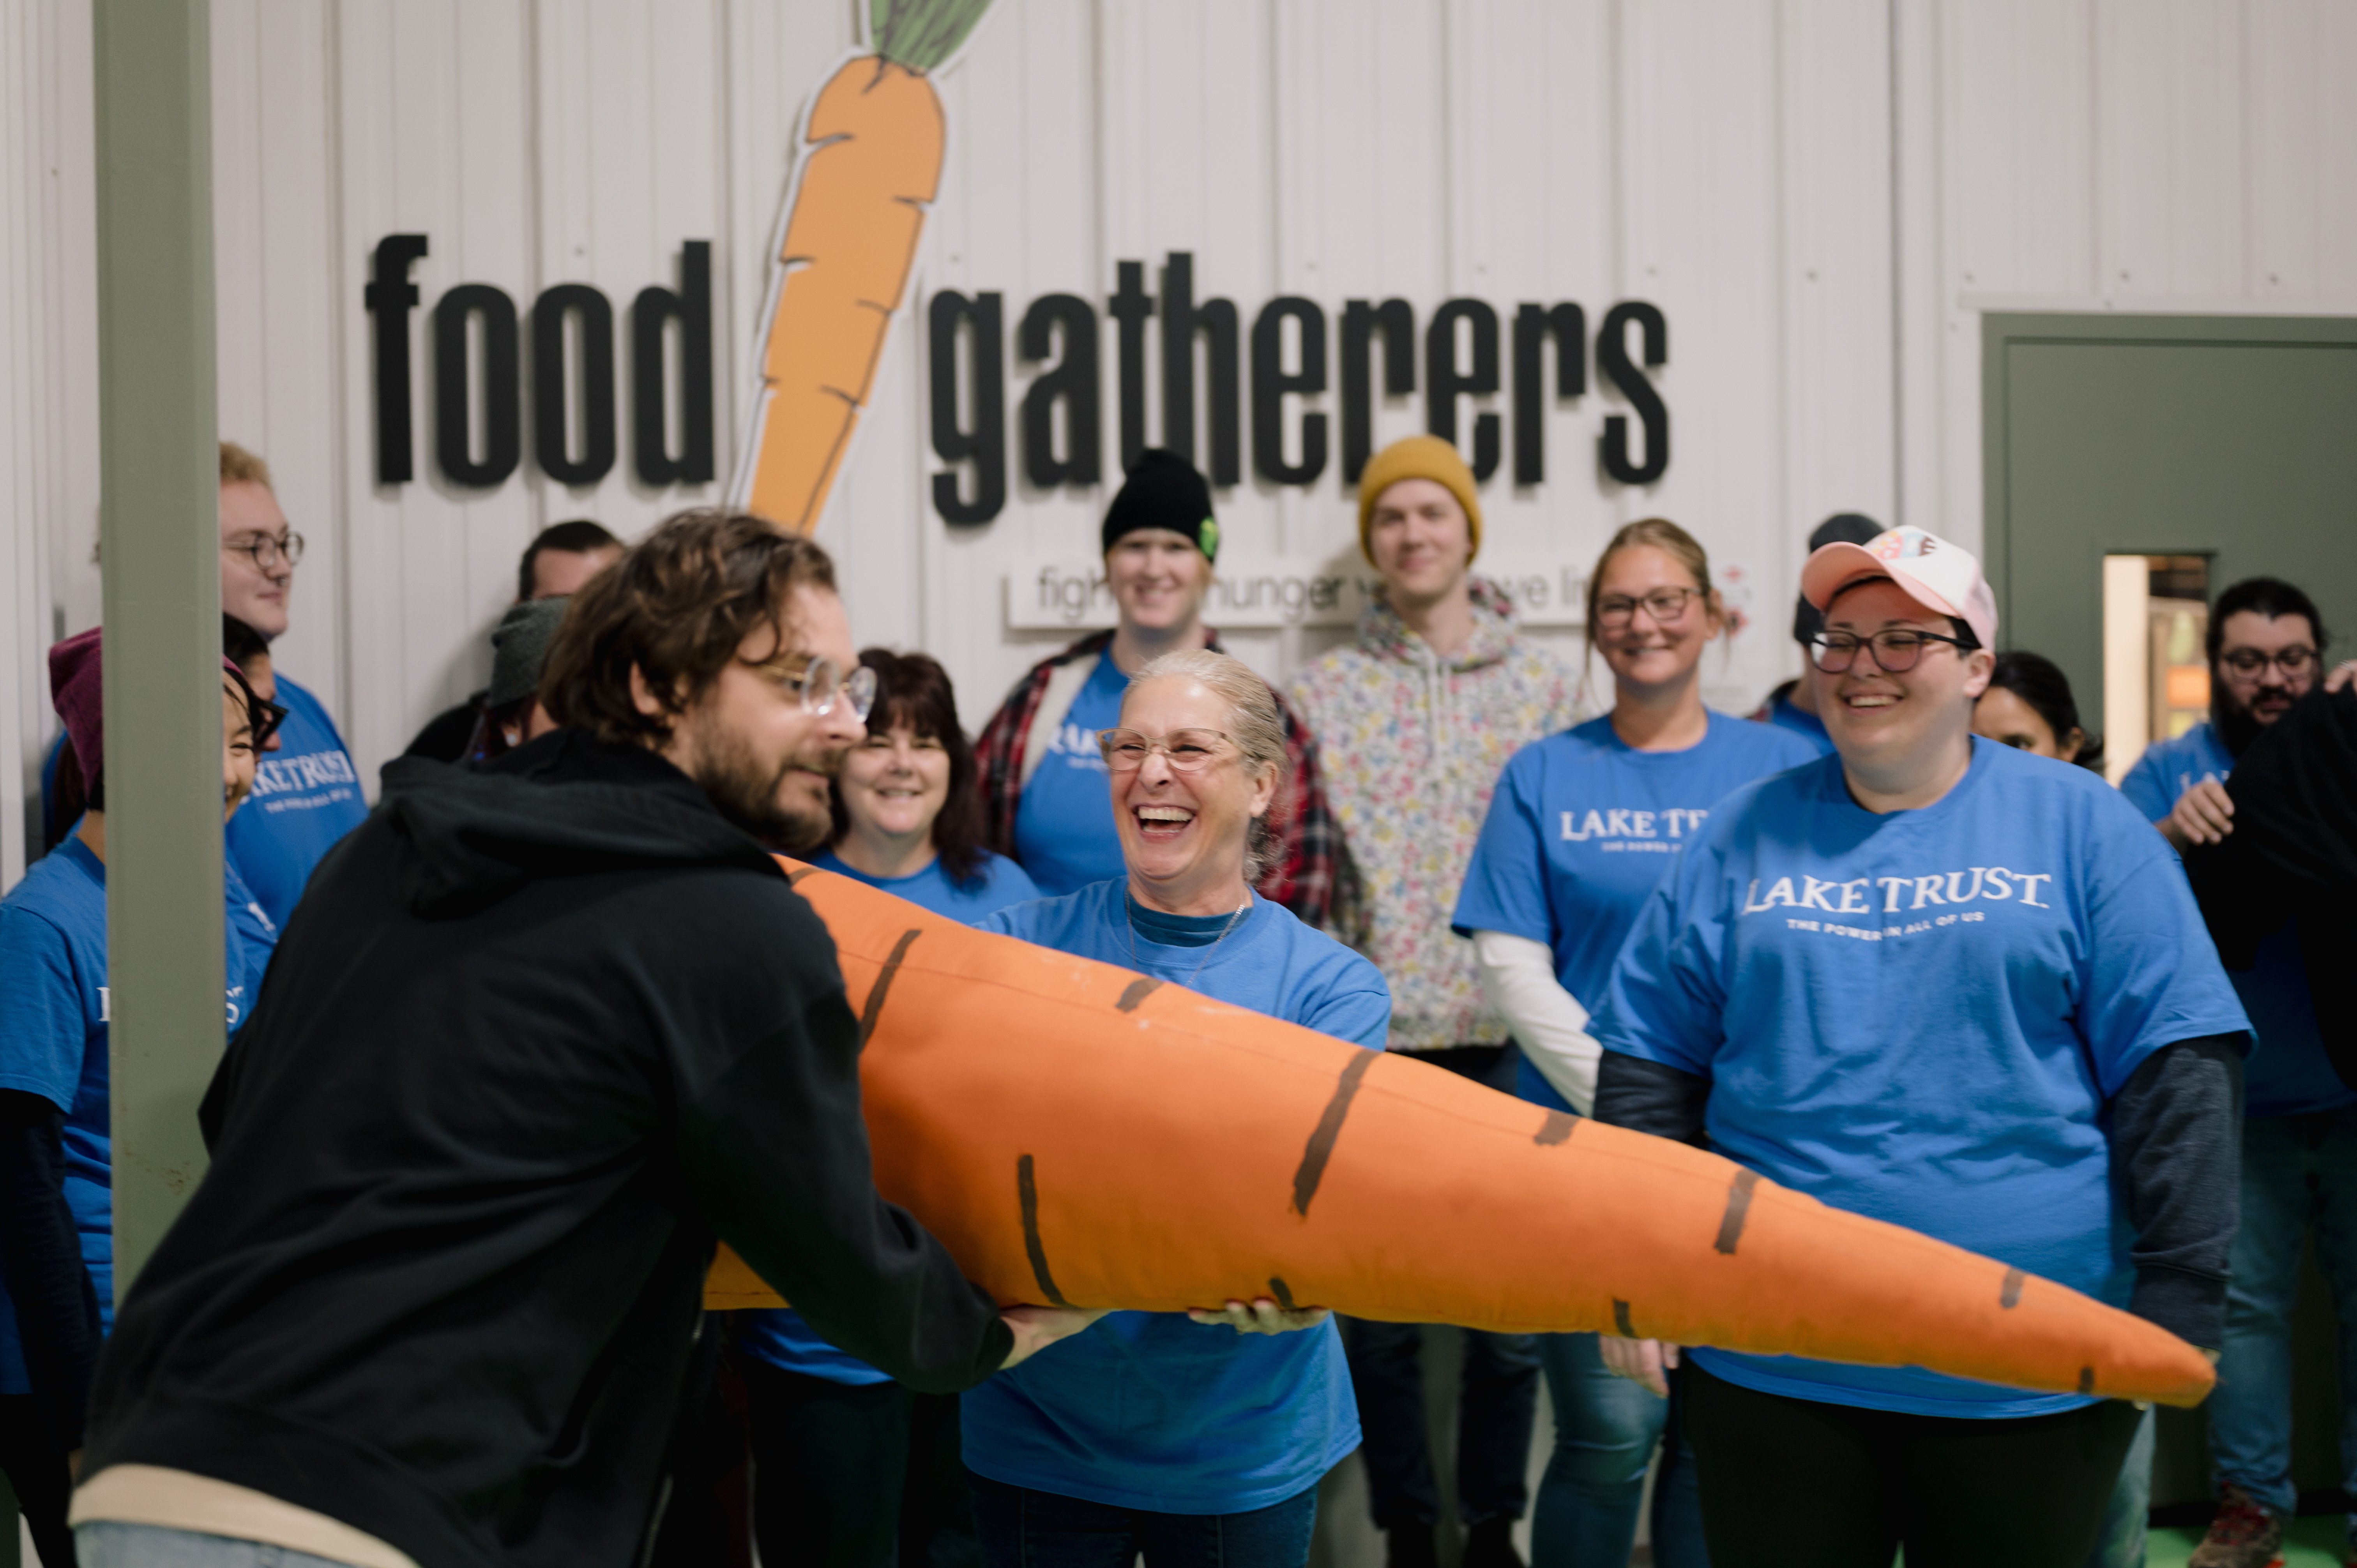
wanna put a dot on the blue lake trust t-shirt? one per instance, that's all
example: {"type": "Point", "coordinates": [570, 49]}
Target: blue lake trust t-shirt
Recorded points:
{"type": "Point", "coordinates": [54, 1006]}
{"type": "Point", "coordinates": [1920, 1016]}
{"type": "Point", "coordinates": [1151, 1410]}
{"type": "Point", "coordinates": [1063, 825]}
{"type": "Point", "coordinates": [306, 795]}
{"type": "Point", "coordinates": [1582, 827]}
{"type": "Point", "coordinates": [777, 1335]}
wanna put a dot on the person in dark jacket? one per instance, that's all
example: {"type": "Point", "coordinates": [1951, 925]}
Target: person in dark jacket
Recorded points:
{"type": "Point", "coordinates": [560, 559]}
{"type": "Point", "coordinates": [539, 1034]}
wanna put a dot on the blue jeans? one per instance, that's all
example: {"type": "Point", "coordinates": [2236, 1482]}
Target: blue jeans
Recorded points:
{"type": "Point", "coordinates": [105, 1544]}
{"type": "Point", "coordinates": [2297, 1171]}
{"type": "Point", "coordinates": [1605, 1431]}
{"type": "Point", "coordinates": [1022, 1527]}
{"type": "Point", "coordinates": [2127, 1516]}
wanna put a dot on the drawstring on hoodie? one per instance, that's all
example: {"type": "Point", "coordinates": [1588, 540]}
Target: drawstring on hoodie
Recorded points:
{"type": "Point", "coordinates": [1435, 691]}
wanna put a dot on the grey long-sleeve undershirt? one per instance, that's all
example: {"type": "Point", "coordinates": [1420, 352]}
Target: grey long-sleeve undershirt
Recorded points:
{"type": "Point", "coordinates": [2176, 1136]}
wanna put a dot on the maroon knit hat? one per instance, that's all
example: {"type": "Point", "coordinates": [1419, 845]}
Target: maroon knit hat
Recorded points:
{"type": "Point", "coordinates": [79, 695]}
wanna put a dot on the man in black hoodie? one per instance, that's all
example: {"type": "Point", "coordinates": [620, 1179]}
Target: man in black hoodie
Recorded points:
{"type": "Point", "coordinates": [538, 1035]}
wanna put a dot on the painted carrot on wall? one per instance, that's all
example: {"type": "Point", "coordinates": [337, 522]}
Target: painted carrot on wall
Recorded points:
{"type": "Point", "coordinates": [869, 167]}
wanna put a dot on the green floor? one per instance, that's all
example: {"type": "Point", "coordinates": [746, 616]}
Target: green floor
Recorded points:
{"type": "Point", "coordinates": [2313, 1542]}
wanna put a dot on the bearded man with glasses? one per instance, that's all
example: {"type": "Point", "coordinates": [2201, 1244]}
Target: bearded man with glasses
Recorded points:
{"type": "Point", "coordinates": [546, 1029]}
{"type": "Point", "coordinates": [2300, 1135]}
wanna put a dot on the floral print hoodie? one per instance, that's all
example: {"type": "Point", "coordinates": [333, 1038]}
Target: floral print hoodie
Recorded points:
{"type": "Point", "coordinates": [1413, 742]}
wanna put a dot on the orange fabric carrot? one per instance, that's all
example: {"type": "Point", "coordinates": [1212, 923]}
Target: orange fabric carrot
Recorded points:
{"type": "Point", "coordinates": [870, 165]}
{"type": "Point", "coordinates": [1076, 1133]}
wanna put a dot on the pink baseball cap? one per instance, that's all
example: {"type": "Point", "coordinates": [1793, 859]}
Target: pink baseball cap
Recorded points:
{"type": "Point", "coordinates": [1933, 572]}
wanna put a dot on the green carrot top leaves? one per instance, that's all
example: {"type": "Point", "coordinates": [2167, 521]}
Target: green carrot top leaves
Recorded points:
{"type": "Point", "coordinates": [921, 34]}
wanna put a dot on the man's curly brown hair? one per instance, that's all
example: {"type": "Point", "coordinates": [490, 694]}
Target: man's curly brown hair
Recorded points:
{"type": "Point", "coordinates": [675, 607]}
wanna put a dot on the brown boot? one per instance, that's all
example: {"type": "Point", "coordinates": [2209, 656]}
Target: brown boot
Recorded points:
{"type": "Point", "coordinates": [2241, 1535]}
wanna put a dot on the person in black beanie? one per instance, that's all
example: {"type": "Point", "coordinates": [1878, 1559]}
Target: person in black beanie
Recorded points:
{"type": "Point", "coordinates": [1044, 784]}
{"type": "Point", "coordinates": [1793, 704]}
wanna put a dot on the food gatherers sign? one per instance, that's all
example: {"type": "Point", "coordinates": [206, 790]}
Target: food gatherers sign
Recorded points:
{"type": "Point", "coordinates": [1457, 355]}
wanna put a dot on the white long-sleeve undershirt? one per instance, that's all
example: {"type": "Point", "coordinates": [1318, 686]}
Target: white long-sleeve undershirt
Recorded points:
{"type": "Point", "coordinates": [1518, 974]}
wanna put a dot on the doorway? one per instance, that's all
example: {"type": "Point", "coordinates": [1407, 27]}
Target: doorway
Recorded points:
{"type": "Point", "coordinates": [2218, 448]}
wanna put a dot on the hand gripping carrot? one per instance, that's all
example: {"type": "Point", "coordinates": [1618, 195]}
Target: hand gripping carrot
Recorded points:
{"type": "Point", "coordinates": [869, 167]}
{"type": "Point", "coordinates": [1078, 1134]}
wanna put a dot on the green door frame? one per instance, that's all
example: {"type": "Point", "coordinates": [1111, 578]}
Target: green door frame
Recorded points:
{"type": "Point", "coordinates": [2003, 331]}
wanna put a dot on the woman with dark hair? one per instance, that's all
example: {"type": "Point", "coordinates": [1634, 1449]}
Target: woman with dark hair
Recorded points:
{"type": "Point", "coordinates": [57, 1212]}
{"type": "Point", "coordinates": [907, 805]}
{"type": "Point", "coordinates": [843, 1457]}
{"type": "Point", "coordinates": [2028, 707]}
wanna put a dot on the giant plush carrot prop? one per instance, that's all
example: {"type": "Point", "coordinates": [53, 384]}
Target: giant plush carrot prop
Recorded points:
{"type": "Point", "coordinates": [1078, 1134]}
{"type": "Point", "coordinates": [868, 164]}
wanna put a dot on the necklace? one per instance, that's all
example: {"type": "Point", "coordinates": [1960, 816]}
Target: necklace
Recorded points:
{"type": "Point", "coordinates": [1130, 920]}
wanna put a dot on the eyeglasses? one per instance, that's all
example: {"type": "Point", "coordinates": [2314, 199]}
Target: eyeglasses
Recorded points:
{"type": "Point", "coordinates": [1665, 605]}
{"type": "Point", "coordinates": [266, 551]}
{"type": "Point", "coordinates": [1895, 651]}
{"type": "Point", "coordinates": [263, 717]}
{"type": "Point", "coordinates": [2295, 662]}
{"type": "Point", "coordinates": [822, 682]}
{"type": "Point", "coordinates": [1186, 750]}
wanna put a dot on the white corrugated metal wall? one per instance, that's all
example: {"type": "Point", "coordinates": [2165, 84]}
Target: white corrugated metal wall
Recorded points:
{"type": "Point", "coordinates": [1820, 195]}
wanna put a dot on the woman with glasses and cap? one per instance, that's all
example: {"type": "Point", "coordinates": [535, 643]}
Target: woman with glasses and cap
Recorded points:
{"type": "Point", "coordinates": [56, 1239]}
{"type": "Point", "coordinates": [1581, 827]}
{"type": "Point", "coordinates": [1189, 1437]}
{"type": "Point", "coordinates": [1936, 980]}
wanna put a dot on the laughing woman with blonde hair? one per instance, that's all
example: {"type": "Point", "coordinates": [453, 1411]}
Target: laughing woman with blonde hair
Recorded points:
{"type": "Point", "coordinates": [1187, 1437]}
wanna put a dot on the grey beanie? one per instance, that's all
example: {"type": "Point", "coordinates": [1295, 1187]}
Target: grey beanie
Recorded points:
{"type": "Point", "coordinates": [519, 648]}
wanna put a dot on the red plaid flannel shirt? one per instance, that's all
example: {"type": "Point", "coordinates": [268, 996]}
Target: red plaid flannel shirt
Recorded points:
{"type": "Point", "coordinates": [1310, 875]}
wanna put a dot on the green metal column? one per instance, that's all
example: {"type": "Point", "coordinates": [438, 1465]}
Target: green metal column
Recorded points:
{"type": "Point", "coordinates": [159, 532]}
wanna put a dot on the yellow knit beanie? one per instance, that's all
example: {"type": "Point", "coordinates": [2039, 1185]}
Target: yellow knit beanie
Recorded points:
{"type": "Point", "coordinates": [1418, 458]}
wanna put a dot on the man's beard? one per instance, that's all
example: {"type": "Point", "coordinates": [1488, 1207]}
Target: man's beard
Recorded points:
{"type": "Point", "coordinates": [751, 795]}
{"type": "Point", "coordinates": [2237, 725]}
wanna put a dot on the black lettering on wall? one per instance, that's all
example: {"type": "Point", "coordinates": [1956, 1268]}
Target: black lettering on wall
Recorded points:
{"type": "Point", "coordinates": [1395, 319]}
{"type": "Point", "coordinates": [1444, 382]}
{"type": "Point", "coordinates": [453, 386]}
{"type": "Point", "coordinates": [985, 443]}
{"type": "Point", "coordinates": [1129, 306]}
{"type": "Point", "coordinates": [1183, 321]}
{"type": "Point", "coordinates": [1073, 381]}
{"type": "Point", "coordinates": [551, 395]}
{"type": "Point", "coordinates": [1612, 360]}
{"type": "Point", "coordinates": [692, 309]}
{"type": "Point", "coordinates": [1271, 380]}
{"type": "Point", "coordinates": [391, 296]}
{"type": "Point", "coordinates": [1533, 324]}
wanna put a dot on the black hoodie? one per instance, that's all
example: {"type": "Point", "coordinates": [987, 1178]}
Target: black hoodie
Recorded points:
{"type": "Point", "coordinates": [534, 1037]}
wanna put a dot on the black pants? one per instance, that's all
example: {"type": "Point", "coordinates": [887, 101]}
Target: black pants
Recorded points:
{"type": "Point", "coordinates": [1498, 1395]}
{"type": "Point", "coordinates": [829, 1460]}
{"type": "Point", "coordinates": [1801, 1482]}
{"type": "Point", "coordinates": [936, 1512]}
{"type": "Point", "coordinates": [37, 1469]}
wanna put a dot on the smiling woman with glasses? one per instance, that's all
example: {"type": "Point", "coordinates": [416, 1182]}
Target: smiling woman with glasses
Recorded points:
{"type": "Point", "coordinates": [1168, 1431]}
{"type": "Point", "coordinates": [842, 1452]}
{"type": "Point", "coordinates": [1579, 830]}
